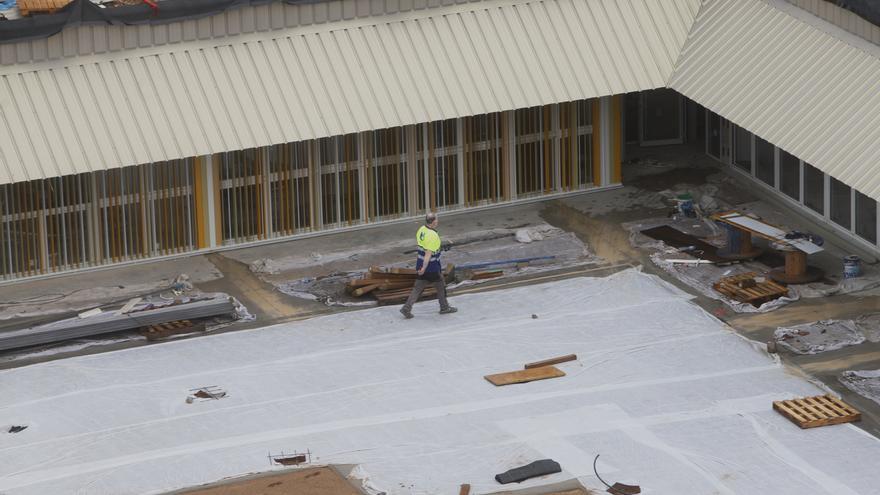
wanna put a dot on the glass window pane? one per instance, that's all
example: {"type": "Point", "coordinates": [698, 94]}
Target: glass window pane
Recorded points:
{"type": "Point", "coordinates": [661, 115]}
{"type": "Point", "coordinates": [764, 167]}
{"type": "Point", "coordinates": [866, 217]}
{"type": "Point", "coordinates": [841, 210]}
{"type": "Point", "coordinates": [789, 175]}
{"type": "Point", "coordinates": [742, 148]}
{"type": "Point", "coordinates": [714, 135]}
{"type": "Point", "coordinates": [814, 189]}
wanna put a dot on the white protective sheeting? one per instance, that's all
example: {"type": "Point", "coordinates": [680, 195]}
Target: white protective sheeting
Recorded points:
{"type": "Point", "coordinates": [670, 398]}
{"type": "Point", "coordinates": [791, 78]}
{"type": "Point", "coordinates": [209, 96]}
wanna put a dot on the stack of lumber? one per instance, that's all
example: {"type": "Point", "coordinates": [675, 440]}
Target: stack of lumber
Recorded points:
{"type": "Point", "coordinates": [390, 286]}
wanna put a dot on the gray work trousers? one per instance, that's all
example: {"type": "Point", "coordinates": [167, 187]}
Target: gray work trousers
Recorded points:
{"type": "Point", "coordinates": [419, 286]}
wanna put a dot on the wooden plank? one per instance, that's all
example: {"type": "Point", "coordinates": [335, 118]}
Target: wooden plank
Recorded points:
{"type": "Point", "coordinates": [465, 489]}
{"type": "Point", "coordinates": [372, 281]}
{"type": "Point", "coordinates": [364, 290]}
{"type": "Point", "coordinates": [403, 271]}
{"type": "Point", "coordinates": [389, 276]}
{"type": "Point", "coordinates": [820, 410]}
{"type": "Point", "coordinates": [523, 376]}
{"type": "Point", "coordinates": [551, 361]}
{"type": "Point", "coordinates": [397, 284]}
{"type": "Point", "coordinates": [487, 274]}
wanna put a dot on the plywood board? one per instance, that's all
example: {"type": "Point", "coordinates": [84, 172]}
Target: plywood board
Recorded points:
{"type": "Point", "coordinates": [524, 376]}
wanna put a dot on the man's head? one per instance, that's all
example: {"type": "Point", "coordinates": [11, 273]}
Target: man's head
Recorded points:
{"type": "Point", "coordinates": [431, 220]}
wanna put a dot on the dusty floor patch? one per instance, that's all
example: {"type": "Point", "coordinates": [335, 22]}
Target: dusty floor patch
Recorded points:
{"type": "Point", "coordinates": [864, 383]}
{"type": "Point", "coordinates": [313, 481]}
{"type": "Point", "coordinates": [819, 336]}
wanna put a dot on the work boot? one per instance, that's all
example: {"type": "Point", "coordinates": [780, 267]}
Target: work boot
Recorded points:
{"type": "Point", "coordinates": [447, 310]}
{"type": "Point", "coordinates": [406, 313]}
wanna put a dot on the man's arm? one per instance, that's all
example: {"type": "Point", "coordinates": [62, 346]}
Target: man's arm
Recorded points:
{"type": "Point", "coordinates": [428, 254]}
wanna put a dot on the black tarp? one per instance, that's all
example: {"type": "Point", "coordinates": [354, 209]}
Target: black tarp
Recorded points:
{"type": "Point", "coordinates": [41, 25]}
{"type": "Point", "coordinates": [85, 12]}
{"type": "Point", "coordinates": [535, 469]}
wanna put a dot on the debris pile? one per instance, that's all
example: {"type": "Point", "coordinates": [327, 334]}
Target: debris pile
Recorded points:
{"type": "Point", "coordinates": [864, 382]}
{"type": "Point", "coordinates": [819, 336]}
{"type": "Point", "coordinates": [211, 392]}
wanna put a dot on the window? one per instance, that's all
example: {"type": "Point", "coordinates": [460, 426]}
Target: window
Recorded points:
{"type": "Point", "coordinates": [715, 135]}
{"type": "Point", "coordinates": [789, 175]}
{"type": "Point", "coordinates": [866, 217]}
{"type": "Point", "coordinates": [534, 170]}
{"type": "Point", "coordinates": [385, 157]}
{"type": "Point", "coordinates": [841, 209]}
{"type": "Point", "coordinates": [765, 168]}
{"type": "Point", "coordinates": [340, 179]}
{"type": "Point", "coordinates": [661, 115]}
{"type": "Point", "coordinates": [814, 189]}
{"type": "Point", "coordinates": [742, 147]}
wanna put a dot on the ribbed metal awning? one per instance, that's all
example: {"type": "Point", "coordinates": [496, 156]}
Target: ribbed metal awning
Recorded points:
{"type": "Point", "coordinates": [154, 104]}
{"type": "Point", "coordinates": [791, 78]}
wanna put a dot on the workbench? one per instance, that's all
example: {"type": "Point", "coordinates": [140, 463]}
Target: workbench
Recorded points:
{"type": "Point", "coordinates": [796, 269]}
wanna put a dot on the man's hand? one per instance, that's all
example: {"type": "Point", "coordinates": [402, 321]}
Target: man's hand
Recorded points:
{"type": "Point", "coordinates": [428, 254]}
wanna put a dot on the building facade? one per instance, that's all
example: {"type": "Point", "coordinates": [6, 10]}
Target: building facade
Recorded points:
{"type": "Point", "coordinates": [271, 120]}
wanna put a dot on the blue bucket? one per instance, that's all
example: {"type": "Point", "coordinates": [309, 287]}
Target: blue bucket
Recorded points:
{"type": "Point", "coordinates": [852, 266]}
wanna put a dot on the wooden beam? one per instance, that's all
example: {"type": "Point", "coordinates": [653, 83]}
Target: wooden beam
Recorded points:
{"type": "Point", "coordinates": [551, 361]}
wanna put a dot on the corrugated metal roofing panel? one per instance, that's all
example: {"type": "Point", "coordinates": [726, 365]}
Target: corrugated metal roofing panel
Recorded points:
{"type": "Point", "coordinates": [791, 78]}
{"type": "Point", "coordinates": [214, 95]}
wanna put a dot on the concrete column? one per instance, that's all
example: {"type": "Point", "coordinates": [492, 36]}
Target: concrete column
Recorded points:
{"type": "Point", "coordinates": [459, 130]}
{"type": "Point", "coordinates": [606, 140]}
{"type": "Point", "coordinates": [206, 190]}
{"type": "Point", "coordinates": [826, 204]}
{"type": "Point", "coordinates": [412, 172]}
{"type": "Point", "coordinates": [776, 173]}
{"type": "Point", "coordinates": [555, 133]}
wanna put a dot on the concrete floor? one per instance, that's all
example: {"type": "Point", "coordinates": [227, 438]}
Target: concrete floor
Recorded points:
{"type": "Point", "coordinates": [595, 218]}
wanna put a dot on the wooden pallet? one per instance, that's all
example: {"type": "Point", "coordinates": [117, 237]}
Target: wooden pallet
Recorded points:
{"type": "Point", "coordinates": [737, 288]}
{"type": "Point", "coordinates": [523, 376]}
{"type": "Point", "coordinates": [162, 330]}
{"type": "Point", "coordinates": [820, 410]}
{"type": "Point", "coordinates": [28, 7]}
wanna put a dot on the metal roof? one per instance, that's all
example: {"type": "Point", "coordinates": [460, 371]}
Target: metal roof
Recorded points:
{"type": "Point", "coordinates": [791, 78]}
{"type": "Point", "coordinates": [154, 104]}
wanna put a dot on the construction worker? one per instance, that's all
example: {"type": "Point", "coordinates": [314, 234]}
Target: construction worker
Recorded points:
{"type": "Point", "coordinates": [428, 268]}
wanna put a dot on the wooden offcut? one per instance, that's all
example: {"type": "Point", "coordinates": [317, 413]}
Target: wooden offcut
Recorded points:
{"type": "Point", "coordinates": [551, 361]}
{"type": "Point", "coordinates": [162, 330]}
{"type": "Point", "coordinates": [524, 376]}
{"type": "Point", "coordinates": [364, 290]}
{"type": "Point", "coordinates": [465, 489]}
{"type": "Point", "coordinates": [740, 288]}
{"type": "Point", "coordinates": [819, 410]}
{"type": "Point", "coordinates": [28, 7]}
{"type": "Point", "coordinates": [487, 274]}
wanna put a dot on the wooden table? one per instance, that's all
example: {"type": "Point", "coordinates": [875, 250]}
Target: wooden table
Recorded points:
{"type": "Point", "coordinates": [796, 270]}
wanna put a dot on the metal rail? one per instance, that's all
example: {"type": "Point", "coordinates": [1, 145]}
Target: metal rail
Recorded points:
{"type": "Point", "coordinates": [110, 322]}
